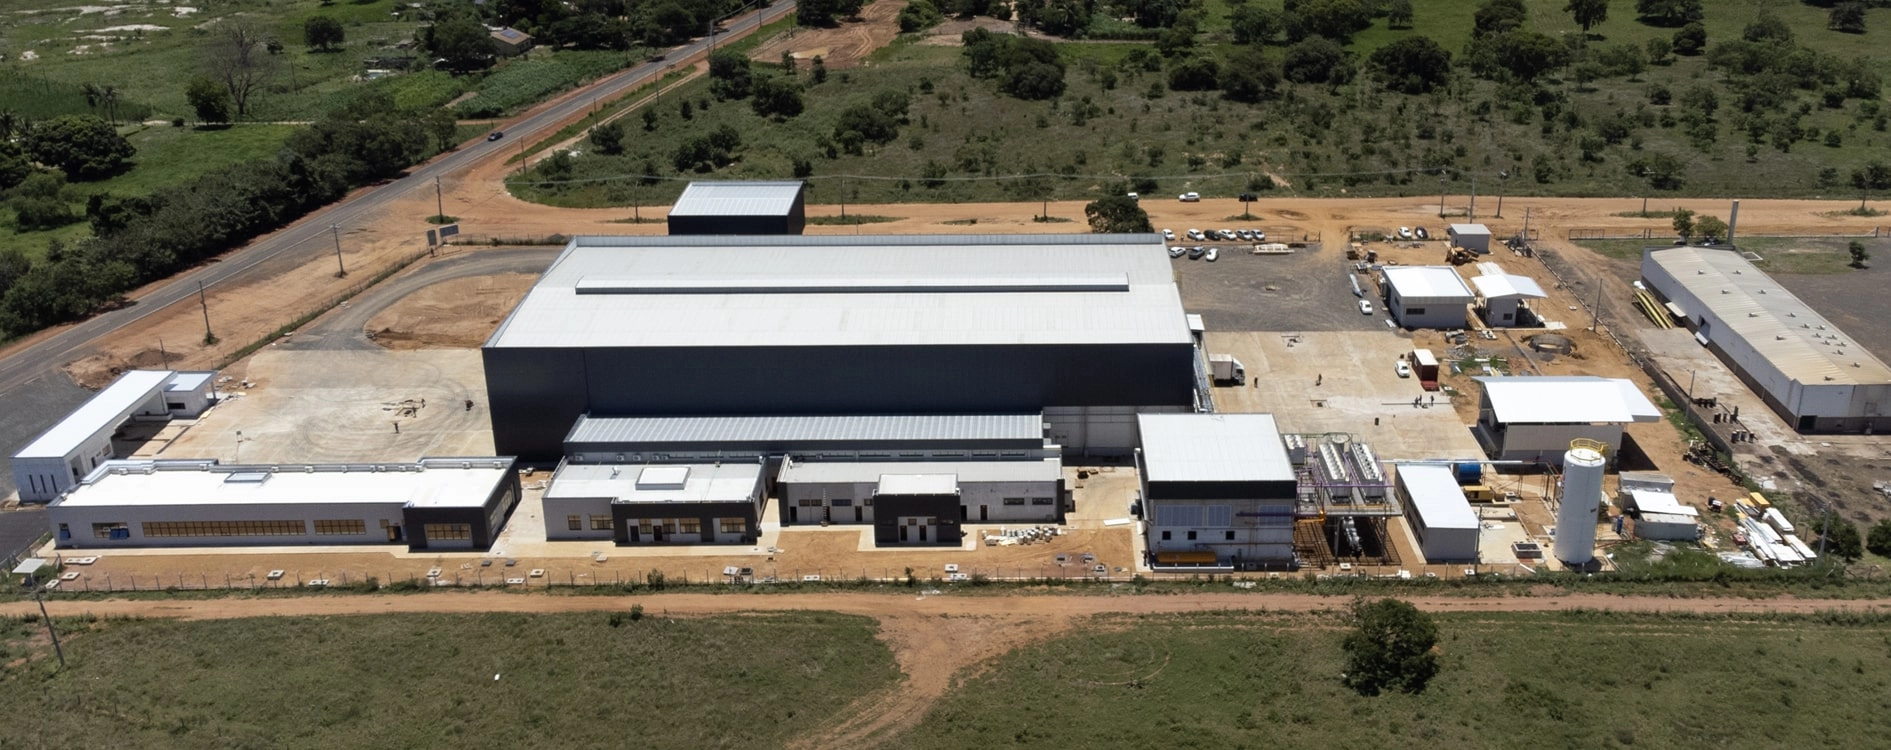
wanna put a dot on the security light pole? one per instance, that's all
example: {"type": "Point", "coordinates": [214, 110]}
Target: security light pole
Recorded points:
{"type": "Point", "coordinates": [1503, 182]}
{"type": "Point", "coordinates": [38, 596]}
{"type": "Point", "coordinates": [1441, 195]}
{"type": "Point", "coordinates": [341, 270]}
{"type": "Point", "coordinates": [439, 204]}
{"type": "Point", "coordinates": [209, 338]}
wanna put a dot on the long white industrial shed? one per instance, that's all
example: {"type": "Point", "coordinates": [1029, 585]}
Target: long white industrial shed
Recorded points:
{"type": "Point", "coordinates": [1802, 365]}
{"type": "Point", "coordinates": [740, 207]}
{"type": "Point", "coordinates": [82, 440]}
{"type": "Point", "coordinates": [433, 503]}
{"type": "Point", "coordinates": [1442, 519]}
{"type": "Point", "coordinates": [1533, 418]}
{"type": "Point", "coordinates": [1426, 296]}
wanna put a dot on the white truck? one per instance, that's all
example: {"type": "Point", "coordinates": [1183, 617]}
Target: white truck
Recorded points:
{"type": "Point", "coordinates": [1224, 369]}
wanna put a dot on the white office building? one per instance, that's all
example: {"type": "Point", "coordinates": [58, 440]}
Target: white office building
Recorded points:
{"type": "Point", "coordinates": [1426, 296]}
{"type": "Point", "coordinates": [56, 460]}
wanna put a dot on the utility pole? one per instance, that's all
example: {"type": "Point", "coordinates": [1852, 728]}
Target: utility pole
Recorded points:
{"type": "Point", "coordinates": [1472, 214]}
{"type": "Point", "coordinates": [38, 596]}
{"type": "Point", "coordinates": [1503, 183]}
{"type": "Point", "coordinates": [163, 356]}
{"type": "Point", "coordinates": [439, 204]}
{"type": "Point", "coordinates": [1441, 195]}
{"type": "Point", "coordinates": [210, 339]}
{"type": "Point", "coordinates": [843, 197]}
{"type": "Point", "coordinates": [341, 270]}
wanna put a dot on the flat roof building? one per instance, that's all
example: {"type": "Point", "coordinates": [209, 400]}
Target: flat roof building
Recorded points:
{"type": "Point", "coordinates": [1426, 296]}
{"type": "Point", "coordinates": [1534, 418]}
{"type": "Point", "coordinates": [655, 504]}
{"type": "Point", "coordinates": [1440, 515]}
{"type": "Point", "coordinates": [82, 440]}
{"type": "Point", "coordinates": [1503, 299]}
{"type": "Point", "coordinates": [861, 437]}
{"type": "Point", "coordinates": [1817, 378]}
{"type": "Point", "coordinates": [1018, 491]}
{"type": "Point", "coordinates": [1217, 489]}
{"type": "Point", "coordinates": [740, 207]}
{"type": "Point", "coordinates": [1087, 329]}
{"type": "Point", "coordinates": [433, 503]}
{"type": "Point", "coordinates": [1472, 237]}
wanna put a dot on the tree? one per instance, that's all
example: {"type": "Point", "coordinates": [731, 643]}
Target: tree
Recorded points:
{"type": "Point", "coordinates": [1859, 256]}
{"type": "Point", "coordinates": [777, 97]}
{"type": "Point", "coordinates": [1684, 223]}
{"type": "Point", "coordinates": [322, 33]}
{"type": "Point", "coordinates": [1878, 541]}
{"type": "Point", "coordinates": [1254, 24]}
{"type": "Point", "coordinates": [1588, 13]}
{"type": "Point", "coordinates": [1669, 12]}
{"type": "Point", "coordinates": [1412, 65]}
{"type": "Point", "coordinates": [1498, 17]}
{"type": "Point", "coordinates": [1117, 214]}
{"type": "Point", "coordinates": [1249, 76]}
{"type": "Point", "coordinates": [826, 12]}
{"type": "Point", "coordinates": [1398, 13]}
{"type": "Point", "coordinates": [1768, 28]}
{"type": "Point", "coordinates": [462, 42]}
{"type": "Point", "coordinates": [730, 76]}
{"type": "Point", "coordinates": [1711, 229]}
{"type": "Point", "coordinates": [14, 166]}
{"type": "Point", "coordinates": [1315, 60]}
{"type": "Point", "coordinates": [1840, 537]}
{"type": "Point", "coordinates": [608, 138]}
{"type": "Point", "coordinates": [1336, 19]}
{"type": "Point", "coordinates": [1528, 54]}
{"type": "Point", "coordinates": [1847, 17]}
{"type": "Point", "coordinates": [83, 146]}
{"type": "Point", "coordinates": [1690, 40]}
{"type": "Point", "coordinates": [1390, 647]}
{"type": "Point", "coordinates": [1874, 175]}
{"type": "Point", "coordinates": [1196, 73]}
{"type": "Point", "coordinates": [209, 99]}
{"type": "Point", "coordinates": [238, 57]}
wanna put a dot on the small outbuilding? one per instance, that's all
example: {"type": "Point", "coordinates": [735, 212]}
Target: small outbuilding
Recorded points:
{"type": "Point", "coordinates": [1439, 513]}
{"type": "Point", "coordinates": [917, 509]}
{"type": "Point", "coordinates": [510, 42]}
{"type": "Point", "coordinates": [1503, 299]}
{"type": "Point", "coordinates": [1535, 418]}
{"type": "Point", "coordinates": [1426, 296]}
{"type": "Point", "coordinates": [1472, 237]}
{"type": "Point", "coordinates": [745, 207]}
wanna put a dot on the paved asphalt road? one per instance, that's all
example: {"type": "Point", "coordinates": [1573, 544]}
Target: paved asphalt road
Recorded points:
{"type": "Point", "coordinates": [30, 374]}
{"type": "Point", "coordinates": [346, 328]}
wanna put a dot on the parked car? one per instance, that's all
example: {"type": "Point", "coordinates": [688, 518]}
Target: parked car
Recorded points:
{"type": "Point", "coordinates": [1177, 251]}
{"type": "Point", "coordinates": [1227, 234]}
{"type": "Point", "coordinates": [1365, 307]}
{"type": "Point", "coordinates": [1404, 370]}
{"type": "Point", "coordinates": [1246, 234]}
{"type": "Point", "coordinates": [1422, 234]}
{"type": "Point", "coordinates": [1405, 233]}
{"type": "Point", "coordinates": [1196, 252]}
{"type": "Point", "coordinates": [1213, 254]}
{"type": "Point", "coordinates": [495, 135]}
{"type": "Point", "coordinates": [1260, 236]}
{"type": "Point", "coordinates": [1168, 235]}
{"type": "Point", "coordinates": [1190, 197]}
{"type": "Point", "coordinates": [1195, 234]}
{"type": "Point", "coordinates": [1213, 235]}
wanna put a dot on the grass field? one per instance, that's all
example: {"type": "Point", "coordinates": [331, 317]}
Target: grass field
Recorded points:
{"type": "Point", "coordinates": [468, 681]}
{"type": "Point", "coordinates": [1548, 680]}
{"type": "Point", "coordinates": [1318, 140]}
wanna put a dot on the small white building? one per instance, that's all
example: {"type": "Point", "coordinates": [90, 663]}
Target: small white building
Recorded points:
{"type": "Point", "coordinates": [1502, 299]}
{"type": "Point", "coordinates": [1426, 296]}
{"type": "Point", "coordinates": [82, 440]}
{"type": "Point", "coordinates": [1526, 418]}
{"type": "Point", "coordinates": [1440, 516]}
{"type": "Point", "coordinates": [1217, 489]}
{"type": "Point", "coordinates": [656, 503]}
{"type": "Point", "coordinates": [814, 492]}
{"type": "Point", "coordinates": [433, 503]}
{"type": "Point", "coordinates": [1472, 237]}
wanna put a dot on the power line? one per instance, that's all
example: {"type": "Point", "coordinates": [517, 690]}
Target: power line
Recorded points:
{"type": "Point", "coordinates": [1024, 176]}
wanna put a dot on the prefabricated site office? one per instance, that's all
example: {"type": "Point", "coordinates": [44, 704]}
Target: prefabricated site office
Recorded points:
{"type": "Point", "coordinates": [1087, 330]}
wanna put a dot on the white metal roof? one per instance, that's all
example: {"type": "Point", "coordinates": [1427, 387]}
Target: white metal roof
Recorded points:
{"type": "Point", "coordinates": [1436, 497]}
{"type": "Point", "coordinates": [1571, 399]}
{"type": "Point", "coordinates": [918, 484]}
{"type": "Point", "coordinates": [432, 482]}
{"type": "Point", "coordinates": [1495, 286]}
{"type": "Point", "coordinates": [188, 381]}
{"type": "Point", "coordinates": [839, 472]}
{"type": "Point", "coordinates": [1427, 282]}
{"type": "Point", "coordinates": [733, 198]}
{"type": "Point", "coordinates": [704, 483]}
{"type": "Point", "coordinates": [694, 291]}
{"type": "Point", "coordinates": [104, 411]}
{"type": "Point", "coordinates": [1462, 230]}
{"type": "Point", "coordinates": [857, 427]}
{"type": "Point", "coordinates": [1786, 331]}
{"type": "Point", "coordinates": [1213, 448]}
{"type": "Point", "coordinates": [1654, 501]}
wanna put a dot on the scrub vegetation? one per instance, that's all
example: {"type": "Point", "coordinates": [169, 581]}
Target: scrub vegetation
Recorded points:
{"type": "Point", "coordinates": [1578, 679]}
{"type": "Point", "coordinates": [495, 680]}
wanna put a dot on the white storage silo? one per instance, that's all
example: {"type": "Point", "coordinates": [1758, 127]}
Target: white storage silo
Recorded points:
{"type": "Point", "coordinates": [1582, 496]}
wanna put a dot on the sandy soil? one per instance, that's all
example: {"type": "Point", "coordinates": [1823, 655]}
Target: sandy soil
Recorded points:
{"type": "Point", "coordinates": [458, 314]}
{"type": "Point", "coordinates": [844, 46]}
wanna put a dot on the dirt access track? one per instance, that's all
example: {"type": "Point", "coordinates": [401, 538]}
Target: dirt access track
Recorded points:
{"type": "Point", "coordinates": [937, 639]}
{"type": "Point", "coordinates": [844, 46]}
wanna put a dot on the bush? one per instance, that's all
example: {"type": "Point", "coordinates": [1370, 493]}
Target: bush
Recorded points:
{"type": "Point", "coordinates": [82, 146]}
{"type": "Point", "coordinates": [1390, 647]}
{"type": "Point", "coordinates": [1879, 541]}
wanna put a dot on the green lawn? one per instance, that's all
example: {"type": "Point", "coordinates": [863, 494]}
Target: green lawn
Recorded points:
{"type": "Point", "coordinates": [425, 681]}
{"type": "Point", "coordinates": [1540, 680]}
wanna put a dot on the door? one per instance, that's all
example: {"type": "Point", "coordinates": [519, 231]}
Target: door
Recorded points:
{"type": "Point", "coordinates": [856, 514]}
{"type": "Point", "coordinates": [656, 532]}
{"type": "Point", "coordinates": [903, 533]}
{"type": "Point", "coordinates": [984, 512]}
{"type": "Point", "coordinates": [394, 533]}
{"type": "Point", "coordinates": [922, 533]}
{"type": "Point", "coordinates": [793, 515]}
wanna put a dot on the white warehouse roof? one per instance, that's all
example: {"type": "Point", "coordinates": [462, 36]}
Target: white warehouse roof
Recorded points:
{"type": "Point", "coordinates": [1574, 399]}
{"type": "Point", "coordinates": [671, 483]}
{"type": "Point", "coordinates": [1436, 497]}
{"type": "Point", "coordinates": [837, 472]}
{"type": "Point", "coordinates": [754, 198]}
{"type": "Point", "coordinates": [430, 482]}
{"type": "Point", "coordinates": [804, 429]}
{"type": "Point", "coordinates": [918, 484]}
{"type": "Point", "coordinates": [1427, 282]}
{"type": "Point", "coordinates": [1213, 448]}
{"type": "Point", "coordinates": [103, 411]}
{"type": "Point", "coordinates": [1498, 286]}
{"type": "Point", "coordinates": [795, 291]}
{"type": "Point", "coordinates": [1795, 338]}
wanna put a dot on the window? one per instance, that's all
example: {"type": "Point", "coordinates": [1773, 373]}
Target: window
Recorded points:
{"type": "Point", "coordinates": [110, 531]}
{"type": "Point", "coordinates": [1014, 501]}
{"type": "Point", "coordinates": [1040, 501]}
{"type": "Point", "coordinates": [1191, 536]}
{"type": "Point", "coordinates": [867, 502]}
{"type": "Point", "coordinates": [574, 523]}
{"type": "Point", "coordinates": [1414, 311]}
{"type": "Point", "coordinates": [341, 527]}
{"type": "Point", "coordinates": [437, 532]}
{"type": "Point", "coordinates": [841, 502]}
{"type": "Point", "coordinates": [224, 528]}
{"type": "Point", "coordinates": [1229, 536]}
{"type": "Point", "coordinates": [1165, 536]}
{"type": "Point", "coordinates": [643, 526]}
{"type": "Point", "coordinates": [601, 523]}
{"type": "Point", "coordinates": [690, 526]}
{"type": "Point", "coordinates": [733, 525]}
{"type": "Point", "coordinates": [809, 502]}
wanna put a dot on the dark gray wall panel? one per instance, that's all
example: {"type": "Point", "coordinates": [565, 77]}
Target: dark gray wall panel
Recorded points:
{"type": "Point", "coordinates": [535, 395]}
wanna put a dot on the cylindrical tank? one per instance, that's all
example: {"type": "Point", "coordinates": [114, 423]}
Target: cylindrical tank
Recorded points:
{"type": "Point", "coordinates": [1582, 494]}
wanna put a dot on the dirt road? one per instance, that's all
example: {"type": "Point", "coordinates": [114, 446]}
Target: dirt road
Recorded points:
{"type": "Point", "coordinates": [935, 639]}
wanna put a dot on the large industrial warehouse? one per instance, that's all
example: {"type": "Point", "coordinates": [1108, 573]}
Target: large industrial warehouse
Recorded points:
{"type": "Point", "coordinates": [1805, 368]}
{"type": "Point", "coordinates": [1087, 329]}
